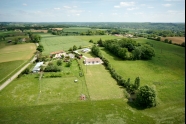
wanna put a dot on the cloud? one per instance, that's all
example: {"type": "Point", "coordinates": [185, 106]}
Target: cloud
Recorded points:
{"type": "Point", "coordinates": [174, 0]}
{"type": "Point", "coordinates": [150, 7]}
{"type": "Point", "coordinates": [67, 7]}
{"type": "Point", "coordinates": [57, 8]}
{"type": "Point", "coordinates": [143, 4]}
{"type": "Point", "coordinates": [133, 8]}
{"type": "Point", "coordinates": [77, 14]}
{"type": "Point", "coordinates": [24, 4]}
{"type": "Point", "coordinates": [114, 13]}
{"type": "Point", "coordinates": [166, 5]}
{"type": "Point", "coordinates": [116, 6]}
{"type": "Point", "coordinates": [138, 13]}
{"type": "Point", "coordinates": [124, 4]}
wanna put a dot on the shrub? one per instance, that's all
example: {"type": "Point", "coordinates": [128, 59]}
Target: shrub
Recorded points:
{"type": "Point", "coordinates": [146, 97]}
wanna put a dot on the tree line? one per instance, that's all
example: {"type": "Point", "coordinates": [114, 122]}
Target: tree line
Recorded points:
{"type": "Point", "coordinates": [146, 96]}
{"type": "Point", "coordinates": [128, 49]}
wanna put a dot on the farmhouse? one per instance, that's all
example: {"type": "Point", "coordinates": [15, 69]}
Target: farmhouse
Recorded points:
{"type": "Point", "coordinates": [37, 67]}
{"type": "Point", "coordinates": [92, 61]}
{"type": "Point", "coordinates": [57, 54]}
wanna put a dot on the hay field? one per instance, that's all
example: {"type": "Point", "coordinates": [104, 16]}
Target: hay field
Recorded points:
{"type": "Point", "coordinates": [177, 40]}
{"type": "Point", "coordinates": [59, 29]}
{"type": "Point", "coordinates": [17, 52]}
{"type": "Point", "coordinates": [37, 31]}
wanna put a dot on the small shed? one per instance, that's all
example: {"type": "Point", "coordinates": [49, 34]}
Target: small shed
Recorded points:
{"type": "Point", "coordinates": [37, 67]}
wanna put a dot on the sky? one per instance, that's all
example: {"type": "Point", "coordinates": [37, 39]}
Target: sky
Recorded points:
{"type": "Point", "coordinates": [92, 10]}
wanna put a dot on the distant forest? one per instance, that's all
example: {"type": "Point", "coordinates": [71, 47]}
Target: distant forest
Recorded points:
{"type": "Point", "coordinates": [97, 25]}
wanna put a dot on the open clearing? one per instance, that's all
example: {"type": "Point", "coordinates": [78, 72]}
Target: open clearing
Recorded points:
{"type": "Point", "coordinates": [177, 40]}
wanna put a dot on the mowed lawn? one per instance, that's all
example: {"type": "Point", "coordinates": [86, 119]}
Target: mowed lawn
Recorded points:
{"type": "Point", "coordinates": [53, 43]}
{"type": "Point", "coordinates": [100, 84]}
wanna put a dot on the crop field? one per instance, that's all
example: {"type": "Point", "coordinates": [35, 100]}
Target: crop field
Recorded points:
{"type": "Point", "coordinates": [13, 56]}
{"type": "Point", "coordinates": [177, 40]}
{"type": "Point", "coordinates": [53, 43]}
{"type": "Point", "coordinates": [55, 100]}
{"type": "Point", "coordinates": [12, 38]}
{"type": "Point", "coordinates": [17, 52]}
{"type": "Point", "coordinates": [76, 29]}
{"type": "Point", "coordinates": [57, 29]}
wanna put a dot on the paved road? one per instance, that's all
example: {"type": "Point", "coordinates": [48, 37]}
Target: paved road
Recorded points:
{"type": "Point", "coordinates": [17, 73]}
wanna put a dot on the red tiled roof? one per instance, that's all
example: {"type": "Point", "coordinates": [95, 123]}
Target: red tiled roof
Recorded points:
{"type": "Point", "coordinates": [57, 52]}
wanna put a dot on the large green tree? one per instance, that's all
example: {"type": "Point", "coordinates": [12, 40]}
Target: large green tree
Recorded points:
{"type": "Point", "coordinates": [146, 97]}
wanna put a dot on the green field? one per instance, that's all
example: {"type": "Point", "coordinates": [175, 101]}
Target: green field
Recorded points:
{"type": "Point", "coordinates": [99, 83]}
{"type": "Point", "coordinates": [22, 101]}
{"type": "Point", "coordinates": [13, 57]}
{"type": "Point", "coordinates": [53, 43]}
{"type": "Point", "coordinates": [77, 29]}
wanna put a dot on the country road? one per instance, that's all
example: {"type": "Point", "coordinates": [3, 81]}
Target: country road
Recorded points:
{"type": "Point", "coordinates": [17, 73]}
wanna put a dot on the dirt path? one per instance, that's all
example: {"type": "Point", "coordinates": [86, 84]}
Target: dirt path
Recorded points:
{"type": "Point", "coordinates": [17, 73]}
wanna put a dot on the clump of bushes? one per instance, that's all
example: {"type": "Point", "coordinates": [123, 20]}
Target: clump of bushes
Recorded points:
{"type": "Point", "coordinates": [52, 75]}
{"type": "Point", "coordinates": [52, 68]}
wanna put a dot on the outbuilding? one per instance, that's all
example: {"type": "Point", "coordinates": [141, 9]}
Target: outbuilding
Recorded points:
{"type": "Point", "coordinates": [37, 67]}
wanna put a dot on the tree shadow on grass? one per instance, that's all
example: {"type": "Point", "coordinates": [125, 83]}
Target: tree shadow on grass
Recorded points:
{"type": "Point", "coordinates": [112, 55]}
{"type": "Point", "coordinates": [134, 105]}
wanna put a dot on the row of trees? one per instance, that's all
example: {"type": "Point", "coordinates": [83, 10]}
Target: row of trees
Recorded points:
{"type": "Point", "coordinates": [35, 38]}
{"type": "Point", "coordinates": [128, 49]}
{"type": "Point", "coordinates": [89, 32]}
{"type": "Point", "coordinates": [145, 95]}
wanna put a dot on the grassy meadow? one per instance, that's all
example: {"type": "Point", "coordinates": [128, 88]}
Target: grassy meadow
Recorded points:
{"type": "Point", "coordinates": [58, 101]}
{"type": "Point", "coordinates": [165, 72]}
{"type": "Point", "coordinates": [53, 43]}
{"type": "Point", "coordinates": [13, 57]}
{"type": "Point", "coordinates": [99, 83]}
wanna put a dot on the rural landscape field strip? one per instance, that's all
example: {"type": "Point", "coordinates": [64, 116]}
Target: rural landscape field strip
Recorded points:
{"type": "Point", "coordinates": [59, 99]}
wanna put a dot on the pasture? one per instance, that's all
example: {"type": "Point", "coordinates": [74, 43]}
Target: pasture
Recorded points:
{"type": "Point", "coordinates": [13, 57]}
{"type": "Point", "coordinates": [99, 83]}
{"type": "Point", "coordinates": [53, 43]}
{"type": "Point", "coordinates": [165, 71]}
{"type": "Point", "coordinates": [177, 40]}
{"type": "Point", "coordinates": [22, 101]}
{"type": "Point", "coordinates": [76, 29]}
{"type": "Point", "coordinates": [36, 31]}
